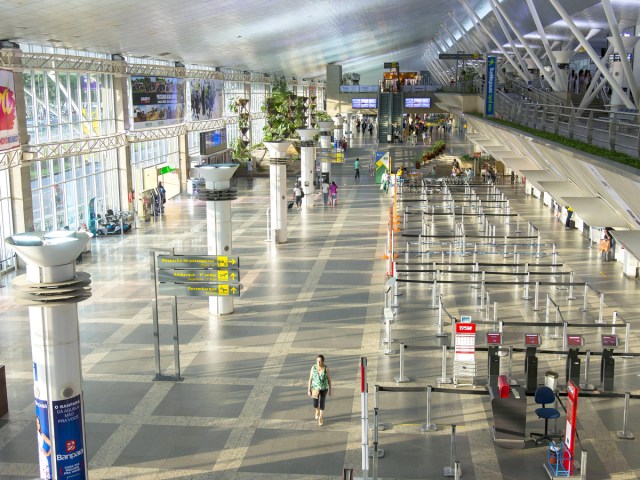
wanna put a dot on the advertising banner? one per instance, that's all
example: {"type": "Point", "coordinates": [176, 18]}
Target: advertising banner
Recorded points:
{"type": "Point", "coordinates": [383, 165]}
{"type": "Point", "coordinates": [571, 424]}
{"type": "Point", "coordinates": [157, 101]}
{"type": "Point", "coordinates": [8, 124]}
{"type": "Point", "coordinates": [489, 104]}
{"type": "Point", "coordinates": [465, 342]}
{"type": "Point", "coordinates": [69, 439]}
{"type": "Point", "coordinates": [205, 99]}
{"type": "Point", "coordinates": [45, 448]}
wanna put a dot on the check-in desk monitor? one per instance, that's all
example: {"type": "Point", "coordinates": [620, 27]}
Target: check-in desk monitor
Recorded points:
{"type": "Point", "coordinates": [609, 341]}
{"type": "Point", "coordinates": [532, 340]}
{"type": "Point", "coordinates": [494, 338]}
{"type": "Point", "coordinates": [575, 341]}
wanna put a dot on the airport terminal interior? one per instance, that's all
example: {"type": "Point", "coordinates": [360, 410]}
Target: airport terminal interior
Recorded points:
{"type": "Point", "coordinates": [465, 257]}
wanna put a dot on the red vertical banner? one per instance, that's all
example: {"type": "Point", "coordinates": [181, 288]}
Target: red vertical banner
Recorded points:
{"type": "Point", "coordinates": [570, 428]}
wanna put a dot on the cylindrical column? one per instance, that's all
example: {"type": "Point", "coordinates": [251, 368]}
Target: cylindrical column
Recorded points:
{"type": "Point", "coordinates": [326, 129]}
{"type": "Point", "coordinates": [52, 288]}
{"type": "Point", "coordinates": [339, 122]}
{"type": "Point", "coordinates": [307, 163]}
{"type": "Point", "coordinates": [218, 195]}
{"type": "Point", "coordinates": [278, 189]}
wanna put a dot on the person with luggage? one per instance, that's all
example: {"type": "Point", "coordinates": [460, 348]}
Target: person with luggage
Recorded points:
{"type": "Point", "coordinates": [297, 195]}
{"type": "Point", "coordinates": [333, 191]}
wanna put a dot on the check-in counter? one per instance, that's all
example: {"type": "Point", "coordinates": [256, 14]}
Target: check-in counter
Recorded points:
{"type": "Point", "coordinates": [509, 416]}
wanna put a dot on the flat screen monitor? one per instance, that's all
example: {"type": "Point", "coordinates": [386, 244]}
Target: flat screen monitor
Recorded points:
{"type": "Point", "coordinates": [421, 102]}
{"type": "Point", "coordinates": [575, 340]}
{"type": "Point", "coordinates": [357, 103]}
{"type": "Point", "coordinates": [609, 340]}
{"type": "Point", "coordinates": [494, 338]}
{"type": "Point", "coordinates": [532, 339]}
{"type": "Point", "coordinates": [213, 141]}
{"type": "Point", "coordinates": [465, 318]}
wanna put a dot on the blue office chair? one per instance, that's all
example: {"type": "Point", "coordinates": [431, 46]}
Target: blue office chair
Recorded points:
{"type": "Point", "coordinates": [545, 396]}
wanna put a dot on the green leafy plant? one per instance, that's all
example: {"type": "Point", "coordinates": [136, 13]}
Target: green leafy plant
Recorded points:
{"type": "Point", "coordinates": [285, 111]}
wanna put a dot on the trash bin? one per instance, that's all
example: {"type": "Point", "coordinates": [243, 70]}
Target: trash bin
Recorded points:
{"type": "Point", "coordinates": [551, 380]}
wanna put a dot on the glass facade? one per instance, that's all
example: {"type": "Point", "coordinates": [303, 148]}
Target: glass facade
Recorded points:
{"type": "Point", "coordinates": [77, 110]}
{"type": "Point", "coordinates": [6, 221]}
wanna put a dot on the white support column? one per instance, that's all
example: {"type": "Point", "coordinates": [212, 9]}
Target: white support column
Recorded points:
{"type": "Point", "coordinates": [52, 288]}
{"type": "Point", "coordinates": [618, 41]}
{"type": "Point", "coordinates": [557, 83]}
{"type": "Point", "coordinates": [278, 189]}
{"type": "Point", "coordinates": [308, 163]}
{"type": "Point", "coordinates": [493, 38]}
{"type": "Point", "coordinates": [532, 55]}
{"type": "Point", "coordinates": [218, 195]}
{"type": "Point", "coordinates": [455, 43]}
{"type": "Point", "coordinates": [326, 128]}
{"type": "Point", "coordinates": [436, 63]}
{"type": "Point", "coordinates": [592, 54]}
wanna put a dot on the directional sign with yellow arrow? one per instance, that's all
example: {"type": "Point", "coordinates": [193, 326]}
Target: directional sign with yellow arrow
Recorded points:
{"type": "Point", "coordinates": [198, 276]}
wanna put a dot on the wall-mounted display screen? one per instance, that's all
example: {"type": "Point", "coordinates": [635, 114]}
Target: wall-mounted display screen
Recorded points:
{"type": "Point", "coordinates": [157, 101]}
{"type": "Point", "coordinates": [213, 141]}
{"type": "Point", "coordinates": [532, 339]}
{"type": "Point", "coordinates": [364, 103]}
{"type": "Point", "coordinates": [494, 339]}
{"type": "Point", "coordinates": [609, 340]}
{"type": "Point", "coordinates": [422, 102]}
{"type": "Point", "coordinates": [575, 340]}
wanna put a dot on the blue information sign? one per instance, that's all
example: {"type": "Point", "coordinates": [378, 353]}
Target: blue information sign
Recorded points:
{"type": "Point", "coordinates": [490, 94]}
{"type": "Point", "coordinates": [69, 439]}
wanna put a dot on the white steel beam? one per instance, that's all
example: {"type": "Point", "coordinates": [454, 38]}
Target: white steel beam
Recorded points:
{"type": "Point", "coordinates": [516, 51]}
{"type": "Point", "coordinates": [465, 39]}
{"type": "Point", "coordinates": [617, 43]}
{"type": "Point", "coordinates": [524, 42]}
{"type": "Point", "coordinates": [558, 80]}
{"type": "Point", "coordinates": [493, 38]}
{"type": "Point", "coordinates": [595, 86]}
{"type": "Point", "coordinates": [592, 54]}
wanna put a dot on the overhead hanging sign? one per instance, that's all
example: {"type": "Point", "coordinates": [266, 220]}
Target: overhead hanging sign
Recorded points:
{"type": "Point", "coordinates": [489, 98]}
{"type": "Point", "coordinates": [459, 56]}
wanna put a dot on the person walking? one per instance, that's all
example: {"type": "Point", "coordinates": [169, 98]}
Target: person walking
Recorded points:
{"type": "Point", "coordinates": [356, 165]}
{"type": "Point", "coordinates": [297, 195]}
{"type": "Point", "coordinates": [250, 169]}
{"type": "Point", "coordinates": [319, 387]}
{"type": "Point", "coordinates": [333, 190]}
{"type": "Point", "coordinates": [325, 193]}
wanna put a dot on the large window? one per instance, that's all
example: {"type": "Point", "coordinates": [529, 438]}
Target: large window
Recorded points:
{"type": "Point", "coordinates": [6, 221]}
{"type": "Point", "coordinates": [62, 188]}
{"type": "Point", "coordinates": [151, 153]}
{"type": "Point", "coordinates": [67, 105]}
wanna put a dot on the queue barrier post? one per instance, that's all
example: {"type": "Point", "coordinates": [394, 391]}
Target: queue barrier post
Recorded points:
{"type": "Point", "coordinates": [586, 297]}
{"type": "Point", "coordinates": [429, 426]}
{"type": "Point", "coordinates": [458, 471]}
{"type": "Point", "coordinates": [624, 433]}
{"type": "Point", "coordinates": [613, 322]}
{"type": "Point", "coordinates": [525, 295]}
{"type": "Point", "coordinates": [510, 354]}
{"type": "Point", "coordinates": [450, 470]}
{"type": "Point", "coordinates": [441, 332]}
{"type": "Point", "coordinates": [556, 332]}
{"type": "Point", "coordinates": [586, 385]}
{"type": "Point", "coordinates": [536, 306]}
{"type": "Point", "coordinates": [583, 465]}
{"type": "Point", "coordinates": [601, 312]}
{"type": "Point", "coordinates": [402, 378]}
{"type": "Point", "coordinates": [434, 293]}
{"type": "Point", "coordinates": [627, 333]}
{"type": "Point", "coordinates": [547, 314]}
{"type": "Point", "coordinates": [443, 374]}
{"type": "Point", "coordinates": [389, 340]}
{"type": "Point", "coordinates": [571, 295]}
{"type": "Point", "coordinates": [406, 253]}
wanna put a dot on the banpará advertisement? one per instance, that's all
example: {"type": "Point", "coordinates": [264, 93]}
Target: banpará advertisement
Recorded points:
{"type": "Point", "coordinates": [69, 439]}
{"type": "Point", "coordinates": [157, 101]}
{"type": "Point", "coordinates": [45, 449]}
{"type": "Point", "coordinates": [205, 99]}
{"type": "Point", "coordinates": [8, 124]}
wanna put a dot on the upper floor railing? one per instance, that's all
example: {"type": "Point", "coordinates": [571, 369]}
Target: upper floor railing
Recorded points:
{"type": "Point", "coordinates": [612, 130]}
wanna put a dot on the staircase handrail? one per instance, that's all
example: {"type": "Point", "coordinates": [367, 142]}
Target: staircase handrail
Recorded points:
{"type": "Point", "coordinates": [533, 94]}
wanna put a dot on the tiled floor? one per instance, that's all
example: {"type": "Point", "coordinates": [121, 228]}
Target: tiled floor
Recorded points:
{"type": "Point", "coordinates": [242, 412]}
